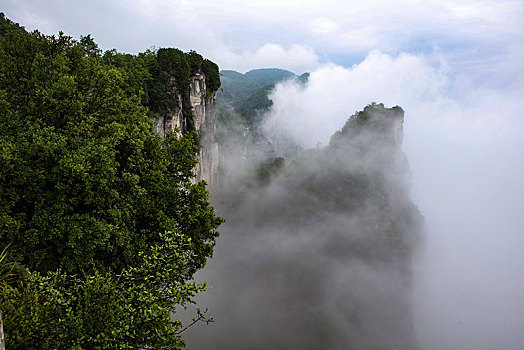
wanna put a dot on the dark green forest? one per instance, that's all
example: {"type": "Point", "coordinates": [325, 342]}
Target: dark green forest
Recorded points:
{"type": "Point", "coordinates": [101, 226]}
{"type": "Point", "coordinates": [247, 94]}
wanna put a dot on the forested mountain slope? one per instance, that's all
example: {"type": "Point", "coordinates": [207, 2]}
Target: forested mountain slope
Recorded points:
{"type": "Point", "coordinates": [102, 224]}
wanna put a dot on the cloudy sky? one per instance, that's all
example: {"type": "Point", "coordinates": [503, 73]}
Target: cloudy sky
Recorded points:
{"type": "Point", "coordinates": [456, 67]}
{"type": "Point", "coordinates": [292, 34]}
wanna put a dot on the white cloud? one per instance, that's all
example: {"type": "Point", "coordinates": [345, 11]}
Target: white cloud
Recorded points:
{"type": "Point", "coordinates": [465, 144]}
{"type": "Point", "coordinates": [296, 58]}
{"type": "Point", "coordinates": [362, 38]}
{"type": "Point", "coordinates": [324, 25]}
{"type": "Point", "coordinates": [507, 12]}
{"type": "Point", "coordinates": [248, 34]}
{"type": "Point", "coordinates": [335, 92]}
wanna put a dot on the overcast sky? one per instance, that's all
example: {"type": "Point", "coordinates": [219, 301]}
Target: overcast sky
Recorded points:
{"type": "Point", "coordinates": [457, 69]}
{"type": "Point", "coordinates": [292, 34]}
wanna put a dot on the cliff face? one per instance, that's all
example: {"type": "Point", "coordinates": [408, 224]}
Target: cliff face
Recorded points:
{"type": "Point", "coordinates": [172, 118]}
{"type": "Point", "coordinates": [203, 108]}
{"type": "Point", "coordinates": [202, 120]}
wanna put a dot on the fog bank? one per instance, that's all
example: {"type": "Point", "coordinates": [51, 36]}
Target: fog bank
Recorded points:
{"type": "Point", "coordinates": [280, 284]}
{"type": "Point", "coordinates": [464, 138]}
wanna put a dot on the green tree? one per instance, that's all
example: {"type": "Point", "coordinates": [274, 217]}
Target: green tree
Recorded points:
{"type": "Point", "coordinates": [99, 209]}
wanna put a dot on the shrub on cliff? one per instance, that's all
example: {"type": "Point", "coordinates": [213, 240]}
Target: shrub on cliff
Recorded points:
{"type": "Point", "coordinates": [100, 210]}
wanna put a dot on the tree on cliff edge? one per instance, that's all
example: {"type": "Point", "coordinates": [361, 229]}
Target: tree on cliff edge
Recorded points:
{"type": "Point", "coordinates": [99, 210]}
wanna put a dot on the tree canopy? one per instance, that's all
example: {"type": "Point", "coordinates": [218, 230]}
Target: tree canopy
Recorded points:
{"type": "Point", "coordinates": [99, 210]}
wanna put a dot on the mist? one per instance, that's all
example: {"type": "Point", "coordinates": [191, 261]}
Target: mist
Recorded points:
{"type": "Point", "coordinates": [317, 254]}
{"type": "Point", "coordinates": [279, 284]}
{"type": "Point", "coordinates": [464, 139]}
{"type": "Point", "coordinates": [297, 283]}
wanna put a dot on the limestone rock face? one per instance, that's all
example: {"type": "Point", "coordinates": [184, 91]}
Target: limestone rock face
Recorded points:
{"type": "Point", "coordinates": [205, 123]}
{"type": "Point", "coordinates": [197, 98]}
{"type": "Point", "coordinates": [172, 119]}
{"type": "Point", "coordinates": [202, 120]}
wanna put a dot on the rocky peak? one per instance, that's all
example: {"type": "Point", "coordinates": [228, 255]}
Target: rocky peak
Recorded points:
{"type": "Point", "coordinates": [383, 125]}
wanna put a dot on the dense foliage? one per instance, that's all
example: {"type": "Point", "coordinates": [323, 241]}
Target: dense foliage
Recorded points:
{"type": "Point", "coordinates": [159, 75]}
{"type": "Point", "coordinates": [100, 211]}
{"type": "Point", "coordinates": [253, 107]}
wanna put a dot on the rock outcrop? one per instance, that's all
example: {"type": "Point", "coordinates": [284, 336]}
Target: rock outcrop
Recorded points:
{"type": "Point", "coordinates": [203, 108]}
{"type": "Point", "coordinates": [172, 119]}
{"type": "Point", "coordinates": [317, 254]}
{"type": "Point", "coordinates": [201, 119]}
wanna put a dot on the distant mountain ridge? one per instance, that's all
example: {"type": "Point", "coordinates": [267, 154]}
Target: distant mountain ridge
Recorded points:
{"type": "Point", "coordinates": [237, 86]}
{"type": "Point", "coordinates": [242, 102]}
{"type": "Point", "coordinates": [247, 94]}
{"type": "Point", "coordinates": [267, 76]}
